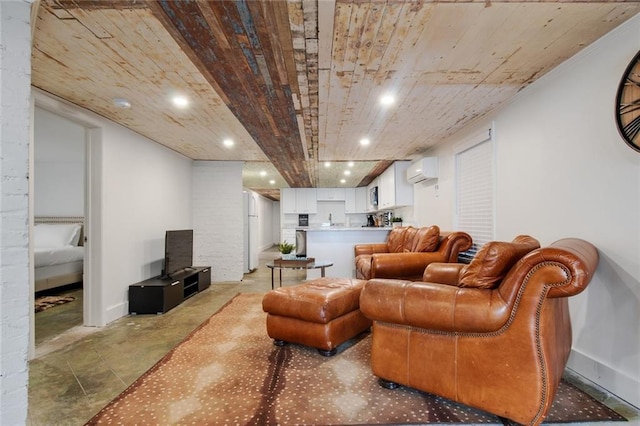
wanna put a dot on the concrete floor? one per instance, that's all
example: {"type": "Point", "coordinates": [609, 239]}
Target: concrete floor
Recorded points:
{"type": "Point", "coordinates": [78, 370]}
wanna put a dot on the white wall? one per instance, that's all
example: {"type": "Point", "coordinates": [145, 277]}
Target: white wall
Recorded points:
{"type": "Point", "coordinates": [275, 223]}
{"type": "Point", "coordinates": [59, 157]}
{"type": "Point", "coordinates": [265, 217]}
{"type": "Point", "coordinates": [217, 218]}
{"type": "Point", "coordinates": [146, 190]}
{"type": "Point", "coordinates": [562, 170]}
{"type": "Point", "coordinates": [15, 133]}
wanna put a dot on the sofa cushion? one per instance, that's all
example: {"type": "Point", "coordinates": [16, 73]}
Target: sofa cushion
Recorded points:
{"type": "Point", "coordinates": [409, 236]}
{"type": "Point", "coordinates": [395, 240]}
{"type": "Point", "coordinates": [494, 260]}
{"type": "Point", "coordinates": [426, 239]}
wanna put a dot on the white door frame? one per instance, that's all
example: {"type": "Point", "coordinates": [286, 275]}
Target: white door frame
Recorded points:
{"type": "Point", "coordinates": [92, 280]}
{"type": "Point", "coordinates": [92, 297]}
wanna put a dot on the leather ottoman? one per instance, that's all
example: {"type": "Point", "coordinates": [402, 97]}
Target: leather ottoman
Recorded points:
{"type": "Point", "coordinates": [321, 313]}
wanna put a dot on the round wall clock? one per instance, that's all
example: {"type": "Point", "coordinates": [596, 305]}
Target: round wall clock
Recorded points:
{"type": "Point", "coordinates": [628, 104]}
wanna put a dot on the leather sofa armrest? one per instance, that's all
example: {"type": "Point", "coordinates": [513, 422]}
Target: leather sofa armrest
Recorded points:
{"type": "Point", "coordinates": [452, 243]}
{"type": "Point", "coordinates": [402, 265]}
{"type": "Point", "coordinates": [369, 249]}
{"type": "Point", "coordinates": [570, 265]}
{"type": "Point", "coordinates": [443, 273]}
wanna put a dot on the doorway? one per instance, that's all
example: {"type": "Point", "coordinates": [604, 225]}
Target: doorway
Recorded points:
{"type": "Point", "coordinates": [61, 193]}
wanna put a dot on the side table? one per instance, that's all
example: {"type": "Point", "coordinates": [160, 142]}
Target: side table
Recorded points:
{"type": "Point", "coordinates": [318, 264]}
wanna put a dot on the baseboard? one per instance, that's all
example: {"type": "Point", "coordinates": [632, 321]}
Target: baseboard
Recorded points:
{"type": "Point", "coordinates": [116, 311]}
{"type": "Point", "coordinates": [620, 385]}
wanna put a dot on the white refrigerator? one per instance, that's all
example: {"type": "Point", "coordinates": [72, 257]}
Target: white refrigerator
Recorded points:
{"type": "Point", "coordinates": [250, 231]}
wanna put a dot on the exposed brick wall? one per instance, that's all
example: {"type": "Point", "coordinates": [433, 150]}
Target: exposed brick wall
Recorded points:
{"type": "Point", "coordinates": [217, 218]}
{"type": "Point", "coordinates": [15, 119]}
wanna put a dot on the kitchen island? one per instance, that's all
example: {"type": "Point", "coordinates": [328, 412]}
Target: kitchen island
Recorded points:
{"type": "Point", "coordinates": [335, 244]}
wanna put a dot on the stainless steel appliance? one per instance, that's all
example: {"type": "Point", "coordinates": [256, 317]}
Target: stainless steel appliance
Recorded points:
{"type": "Point", "coordinates": [301, 243]}
{"type": "Point", "coordinates": [373, 196]}
{"type": "Point", "coordinates": [386, 218]}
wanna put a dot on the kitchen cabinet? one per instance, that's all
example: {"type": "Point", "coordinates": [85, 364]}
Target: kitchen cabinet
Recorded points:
{"type": "Point", "coordinates": [298, 200]}
{"type": "Point", "coordinates": [331, 194]}
{"type": "Point", "coordinates": [288, 200]}
{"type": "Point", "coordinates": [356, 200]}
{"type": "Point", "coordinates": [306, 200]}
{"type": "Point", "coordinates": [393, 188]}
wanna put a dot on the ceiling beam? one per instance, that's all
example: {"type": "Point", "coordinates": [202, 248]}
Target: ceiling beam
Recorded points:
{"type": "Point", "coordinates": [231, 43]}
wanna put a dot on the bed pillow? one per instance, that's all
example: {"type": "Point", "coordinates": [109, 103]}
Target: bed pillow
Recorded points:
{"type": "Point", "coordinates": [56, 235]}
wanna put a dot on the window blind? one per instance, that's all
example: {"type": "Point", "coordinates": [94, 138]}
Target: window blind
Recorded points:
{"type": "Point", "coordinates": [475, 195]}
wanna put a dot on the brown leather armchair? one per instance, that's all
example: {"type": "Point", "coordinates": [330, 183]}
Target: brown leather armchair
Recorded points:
{"type": "Point", "coordinates": [408, 251]}
{"type": "Point", "coordinates": [494, 334]}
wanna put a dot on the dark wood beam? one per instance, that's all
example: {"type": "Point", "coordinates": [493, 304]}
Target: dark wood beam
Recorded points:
{"type": "Point", "coordinates": [380, 167]}
{"type": "Point", "coordinates": [231, 43]}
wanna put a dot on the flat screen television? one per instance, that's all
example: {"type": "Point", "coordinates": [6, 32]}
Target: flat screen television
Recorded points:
{"type": "Point", "coordinates": [178, 251]}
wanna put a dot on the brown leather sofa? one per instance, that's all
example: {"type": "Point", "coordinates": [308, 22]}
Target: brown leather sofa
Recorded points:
{"type": "Point", "coordinates": [408, 251]}
{"type": "Point", "coordinates": [494, 334]}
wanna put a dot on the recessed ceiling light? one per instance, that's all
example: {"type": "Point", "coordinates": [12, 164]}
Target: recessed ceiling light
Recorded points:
{"type": "Point", "coordinates": [364, 141]}
{"type": "Point", "coordinates": [347, 172]}
{"type": "Point", "coordinates": [350, 164]}
{"type": "Point", "coordinates": [228, 142]}
{"type": "Point", "coordinates": [122, 103]}
{"type": "Point", "coordinates": [387, 100]}
{"type": "Point", "coordinates": [327, 163]}
{"type": "Point", "coordinates": [343, 180]}
{"type": "Point", "coordinates": [263, 173]}
{"type": "Point", "coordinates": [272, 182]}
{"type": "Point", "coordinates": [180, 101]}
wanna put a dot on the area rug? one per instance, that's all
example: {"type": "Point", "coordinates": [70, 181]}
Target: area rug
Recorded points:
{"type": "Point", "coordinates": [229, 372]}
{"type": "Point", "coordinates": [46, 302]}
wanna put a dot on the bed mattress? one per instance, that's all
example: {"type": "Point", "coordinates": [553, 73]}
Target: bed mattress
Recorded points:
{"type": "Point", "coordinates": [58, 255]}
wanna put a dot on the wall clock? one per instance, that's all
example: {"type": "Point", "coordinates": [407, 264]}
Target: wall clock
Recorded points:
{"type": "Point", "coordinates": [628, 104]}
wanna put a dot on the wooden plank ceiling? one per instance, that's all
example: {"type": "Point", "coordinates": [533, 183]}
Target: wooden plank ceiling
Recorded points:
{"type": "Point", "coordinates": [297, 83]}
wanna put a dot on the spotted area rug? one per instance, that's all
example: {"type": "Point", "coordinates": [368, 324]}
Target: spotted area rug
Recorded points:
{"type": "Point", "coordinates": [46, 302]}
{"type": "Point", "coordinates": [228, 371]}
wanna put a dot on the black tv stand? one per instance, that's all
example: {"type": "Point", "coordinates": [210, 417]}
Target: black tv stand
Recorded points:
{"type": "Point", "coordinates": [159, 294]}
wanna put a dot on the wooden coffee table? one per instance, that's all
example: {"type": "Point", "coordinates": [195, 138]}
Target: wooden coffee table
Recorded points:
{"type": "Point", "coordinates": [318, 264]}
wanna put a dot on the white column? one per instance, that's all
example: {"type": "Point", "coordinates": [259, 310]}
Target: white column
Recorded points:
{"type": "Point", "coordinates": [15, 290]}
{"type": "Point", "coordinates": [218, 231]}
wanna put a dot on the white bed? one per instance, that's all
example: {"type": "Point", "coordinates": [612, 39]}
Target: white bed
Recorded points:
{"type": "Point", "coordinates": [58, 252]}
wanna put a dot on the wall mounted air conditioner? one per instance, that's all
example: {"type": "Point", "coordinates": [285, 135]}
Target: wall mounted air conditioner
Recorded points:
{"type": "Point", "coordinates": [423, 169]}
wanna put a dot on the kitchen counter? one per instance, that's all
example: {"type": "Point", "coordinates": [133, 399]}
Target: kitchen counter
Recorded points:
{"type": "Point", "coordinates": [335, 244]}
{"type": "Point", "coordinates": [339, 228]}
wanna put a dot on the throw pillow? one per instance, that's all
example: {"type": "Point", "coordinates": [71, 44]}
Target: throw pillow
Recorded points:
{"type": "Point", "coordinates": [494, 260]}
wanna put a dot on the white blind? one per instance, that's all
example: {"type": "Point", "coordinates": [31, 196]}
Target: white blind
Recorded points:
{"type": "Point", "coordinates": [474, 195]}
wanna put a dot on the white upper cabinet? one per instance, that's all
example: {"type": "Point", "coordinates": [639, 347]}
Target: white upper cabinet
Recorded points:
{"type": "Point", "coordinates": [298, 200]}
{"type": "Point", "coordinates": [306, 200]}
{"type": "Point", "coordinates": [356, 200]}
{"type": "Point", "coordinates": [331, 194]}
{"type": "Point", "coordinates": [393, 188]}
{"type": "Point", "coordinates": [288, 200]}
